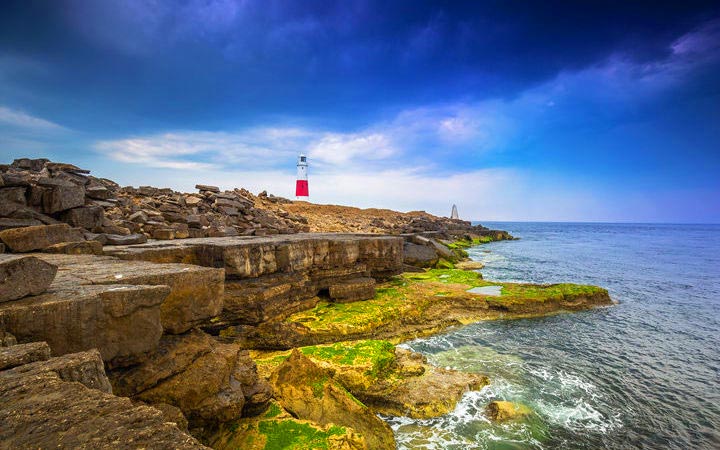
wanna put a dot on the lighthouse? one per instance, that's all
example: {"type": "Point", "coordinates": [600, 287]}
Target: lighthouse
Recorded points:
{"type": "Point", "coordinates": [301, 185]}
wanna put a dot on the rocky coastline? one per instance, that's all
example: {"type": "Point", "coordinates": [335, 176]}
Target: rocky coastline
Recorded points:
{"type": "Point", "coordinates": [151, 318]}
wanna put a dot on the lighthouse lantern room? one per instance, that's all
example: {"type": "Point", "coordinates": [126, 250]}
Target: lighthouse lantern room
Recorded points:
{"type": "Point", "coordinates": [301, 185]}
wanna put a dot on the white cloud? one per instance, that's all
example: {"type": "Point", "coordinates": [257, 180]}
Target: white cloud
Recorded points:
{"type": "Point", "coordinates": [20, 119]}
{"type": "Point", "coordinates": [339, 148]}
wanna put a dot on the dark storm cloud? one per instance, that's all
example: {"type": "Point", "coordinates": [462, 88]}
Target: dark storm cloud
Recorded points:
{"type": "Point", "coordinates": [184, 62]}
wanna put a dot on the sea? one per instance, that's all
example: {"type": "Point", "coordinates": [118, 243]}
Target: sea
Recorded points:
{"type": "Point", "coordinates": [643, 374]}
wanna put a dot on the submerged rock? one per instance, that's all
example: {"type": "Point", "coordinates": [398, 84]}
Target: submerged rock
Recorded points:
{"type": "Point", "coordinates": [502, 411]}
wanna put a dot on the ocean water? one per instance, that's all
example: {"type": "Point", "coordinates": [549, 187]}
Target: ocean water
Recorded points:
{"type": "Point", "coordinates": [642, 374]}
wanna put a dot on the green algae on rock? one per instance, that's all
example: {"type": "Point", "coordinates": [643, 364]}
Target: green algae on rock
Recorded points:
{"type": "Point", "coordinates": [417, 304]}
{"type": "Point", "coordinates": [276, 429]}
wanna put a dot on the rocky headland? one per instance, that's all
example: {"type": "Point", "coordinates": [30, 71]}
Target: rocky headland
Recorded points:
{"type": "Point", "coordinates": [148, 318]}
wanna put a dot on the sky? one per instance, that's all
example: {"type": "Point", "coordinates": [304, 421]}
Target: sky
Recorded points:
{"type": "Point", "coordinates": [543, 111]}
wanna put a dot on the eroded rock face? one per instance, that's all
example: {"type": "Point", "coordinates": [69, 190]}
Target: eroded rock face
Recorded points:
{"type": "Point", "coordinates": [84, 367]}
{"type": "Point", "coordinates": [17, 355]}
{"type": "Point", "coordinates": [252, 257]}
{"type": "Point", "coordinates": [210, 382]}
{"type": "Point", "coordinates": [27, 239]}
{"type": "Point", "coordinates": [29, 408]}
{"type": "Point", "coordinates": [21, 276]}
{"type": "Point", "coordinates": [308, 392]}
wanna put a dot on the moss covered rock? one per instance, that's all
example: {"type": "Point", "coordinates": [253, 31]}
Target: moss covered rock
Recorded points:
{"type": "Point", "coordinates": [390, 380]}
{"type": "Point", "coordinates": [276, 429]}
{"type": "Point", "coordinates": [416, 304]}
{"type": "Point", "coordinates": [308, 392]}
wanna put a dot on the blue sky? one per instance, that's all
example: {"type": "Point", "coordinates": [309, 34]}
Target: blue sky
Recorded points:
{"type": "Point", "coordinates": [587, 111]}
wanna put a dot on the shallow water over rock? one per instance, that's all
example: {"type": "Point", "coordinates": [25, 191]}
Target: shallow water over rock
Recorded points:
{"type": "Point", "coordinates": [642, 374]}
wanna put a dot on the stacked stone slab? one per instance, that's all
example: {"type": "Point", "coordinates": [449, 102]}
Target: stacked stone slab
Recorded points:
{"type": "Point", "coordinates": [271, 277]}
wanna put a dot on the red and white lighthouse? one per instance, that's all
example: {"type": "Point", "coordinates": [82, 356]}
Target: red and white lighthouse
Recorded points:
{"type": "Point", "coordinates": [301, 185]}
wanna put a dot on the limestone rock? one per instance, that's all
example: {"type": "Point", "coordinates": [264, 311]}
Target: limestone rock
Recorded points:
{"type": "Point", "coordinates": [29, 408]}
{"type": "Point", "coordinates": [502, 411]}
{"type": "Point", "coordinates": [308, 392]}
{"type": "Point", "coordinates": [419, 255]}
{"type": "Point", "coordinates": [17, 355]}
{"type": "Point", "coordinates": [11, 199]}
{"type": "Point", "coordinates": [7, 339]}
{"type": "Point", "coordinates": [8, 222]}
{"type": "Point", "coordinates": [203, 378]}
{"type": "Point", "coordinates": [90, 247]}
{"type": "Point", "coordinates": [207, 188]}
{"type": "Point", "coordinates": [84, 367]}
{"type": "Point", "coordinates": [98, 192]}
{"type": "Point", "coordinates": [469, 265]}
{"type": "Point", "coordinates": [122, 322]}
{"type": "Point", "coordinates": [39, 237]}
{"type": "Point", "coordinates": [352, 290]}
{"type": "Point", "coordinates": [89, 217]}
{"type": "Point", "coordinates": [60, 195]}
{"type": "Point", "coordinates": [196, 293]}
{"type": "Point", "coordinates": [163, 233]}
{"type": "Point", "coordinates": [421, 390]}
{"type": "Point", "coordinates": [130, 239]}
{"type": "Point", "coordinates": [21, 276]}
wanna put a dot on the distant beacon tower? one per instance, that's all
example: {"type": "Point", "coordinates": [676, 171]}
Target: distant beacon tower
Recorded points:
{"type": "Point", "coordinates": [454, 214]}
{"type": "Point", "coordinates": [301, 185]}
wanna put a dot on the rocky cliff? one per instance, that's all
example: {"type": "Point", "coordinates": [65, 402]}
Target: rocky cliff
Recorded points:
{"type": "Point", "coordinates": [157, 319]}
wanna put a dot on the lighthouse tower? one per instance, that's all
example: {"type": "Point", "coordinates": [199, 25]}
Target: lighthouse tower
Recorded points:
{"type": "Point", "coordinates": [301, 185]}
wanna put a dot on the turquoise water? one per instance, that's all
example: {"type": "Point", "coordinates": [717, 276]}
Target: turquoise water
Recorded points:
{"type": "Point", "coordinates": [642, 374]}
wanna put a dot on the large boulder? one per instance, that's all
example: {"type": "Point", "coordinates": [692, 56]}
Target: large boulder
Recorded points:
{"type": "Point", "coordinates": [419, 255]}
{"type": "Point", "coordinates": [11, 199]}
{"type": "Point", "coordinates": [27, 239]}
{"type": "Point", "coordinates": [121, 321]}
{"type": "Point", "coordinates": [21, 276]}
{"type": "Point", "coordinates": [89, 217]}
{"type": "Point", "coordinates": [59, 195]}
